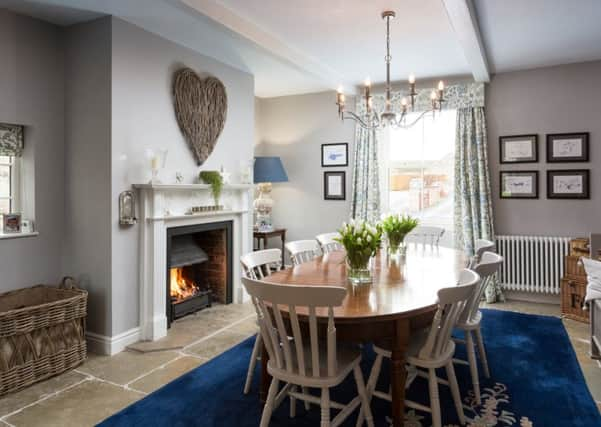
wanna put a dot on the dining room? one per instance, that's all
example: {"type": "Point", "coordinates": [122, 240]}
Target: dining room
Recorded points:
{"type": "Point", "coordinates": [241, 213]}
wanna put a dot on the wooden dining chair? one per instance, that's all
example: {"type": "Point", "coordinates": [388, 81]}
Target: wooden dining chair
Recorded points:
{"type": "Point", "coordinates": [471, 317]}
{"type": "Point", "coordinates": [315, 361]}
{"type": "Point", "coordinates": [432, 348]}
{"type": "Point", "coordinates": [327, 242]}
{"type": "Point", "coordinates": [258, 265]}
{"type": "Point", "coordinates": [302, 250]}
{"type": "Point", "coordinates": [426, 235]}
{"type": "Point", "coordinates": [481, 246]}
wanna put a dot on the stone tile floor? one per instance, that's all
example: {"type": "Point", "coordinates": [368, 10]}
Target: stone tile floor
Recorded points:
{"type": "Point", "coordinates": [104, 385]}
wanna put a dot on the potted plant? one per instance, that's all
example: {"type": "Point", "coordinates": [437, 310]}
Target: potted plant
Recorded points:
{"type": "Point", "coordinates": [214, 179]}
{"type": "Point", "coordinates": [361, 240]}
{"type": "Point", "coordinates": [396, 227]}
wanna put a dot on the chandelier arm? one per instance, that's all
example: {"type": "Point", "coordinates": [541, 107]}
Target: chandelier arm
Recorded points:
{"type": "Point", "coordinates": [407, 126]}
{"type": "Point", "coordinates": [349, 115]}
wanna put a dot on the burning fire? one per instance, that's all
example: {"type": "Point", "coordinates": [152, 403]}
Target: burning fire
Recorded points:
{"type": "Point", "coordinates": [181, 287]}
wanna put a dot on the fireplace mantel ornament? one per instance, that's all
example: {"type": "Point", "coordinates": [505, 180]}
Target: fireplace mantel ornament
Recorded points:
{"type": "Point", "coordinates": [200, 110]}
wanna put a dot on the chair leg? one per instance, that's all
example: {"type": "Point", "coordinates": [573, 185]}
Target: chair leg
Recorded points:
{"type": "Point", "coordinates": [482, 352]}
{"type": "Point", "coordinates": [434, 399]}
{"type": "Point", "coordinates": [455, 391]}
{"type": "Point", "coordinates": [293, 402]}
{"type": "Point", "coordinates": [307, 404]}
{"type": "Point", "coordinates": [252, 363]}
{"type": "Point", "coordinates": [268, 408]}
{"type": "Point", "coordinates": [371, 385]}
{"type": "Point", "coordinates": [365, 406]}
{"type": "Point", "coordinates": [325, 407]}
{"type": "Point", "coordinates": [471, 357]}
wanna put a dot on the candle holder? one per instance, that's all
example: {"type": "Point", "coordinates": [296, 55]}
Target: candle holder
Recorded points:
{"type": "Point", "coordinates": [157, 161]}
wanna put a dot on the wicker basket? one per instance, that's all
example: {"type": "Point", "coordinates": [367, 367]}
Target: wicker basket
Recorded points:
{"type": "Point", "coordinates": [42, 333]}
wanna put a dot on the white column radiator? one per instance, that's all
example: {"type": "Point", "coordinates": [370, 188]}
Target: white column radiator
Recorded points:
{"type": "Point", "coordinates": [532, 263]}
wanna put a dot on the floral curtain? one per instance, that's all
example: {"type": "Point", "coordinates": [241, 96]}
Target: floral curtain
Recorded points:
{"type": "Point", "coordinates": [473, 208]}
{"type": "Point", "coordinates": [365, 202]}
{"type": "Point", "coordinates": [11, 140]}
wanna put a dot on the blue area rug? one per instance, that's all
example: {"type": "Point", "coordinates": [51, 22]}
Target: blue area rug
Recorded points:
{"type": "Point", "coordinates": [535, 378]}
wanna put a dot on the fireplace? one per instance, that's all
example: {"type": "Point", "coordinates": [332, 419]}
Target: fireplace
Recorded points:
{"type": "Point", "coordinates": [199, 268]}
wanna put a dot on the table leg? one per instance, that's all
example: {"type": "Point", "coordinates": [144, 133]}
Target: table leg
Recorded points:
{"type": "Point", "coordinates": [283, 237]}
{"type": "Point", "coordinates": [265, 377]}
{"type": "Point", "coordinates": [398, 374]}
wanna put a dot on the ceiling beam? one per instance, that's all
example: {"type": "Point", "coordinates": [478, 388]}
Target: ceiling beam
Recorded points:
{"type": "Point", "coordinates": [463, 19]}
{"type": "Point", "coordinates": [265, 40]}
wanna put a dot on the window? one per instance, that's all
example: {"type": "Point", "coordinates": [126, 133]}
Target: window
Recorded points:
{"type": "Point", "coordinates": [419, 170]}
{"type": "Point", "coordinates": [8, 184]}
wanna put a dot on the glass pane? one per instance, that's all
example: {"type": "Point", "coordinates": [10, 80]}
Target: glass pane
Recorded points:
{"type": "Point", "coordinates": [5, 159]}
{"type": "Point", "coordinates": [4, 206]}
{"type": "Point", "coordinates": [4, 181]}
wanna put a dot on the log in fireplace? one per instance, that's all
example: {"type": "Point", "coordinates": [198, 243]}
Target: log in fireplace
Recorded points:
{"type": "Point", "coordinates": [199, 267]}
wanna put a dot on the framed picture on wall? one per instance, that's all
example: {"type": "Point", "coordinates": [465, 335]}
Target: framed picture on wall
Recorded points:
{"type": "Point", "coordinates": [568, 184]}
{"type": "Point", "coordinates": [334, 185]}
{"type": "Point", "coordinates": [334, 155]}
{"type": "Point", "coordinates": [518, 148]}
{"type": "Point", "coordinates": [519, 184]}
{"type": "Point", "coordinates": [567, 147]}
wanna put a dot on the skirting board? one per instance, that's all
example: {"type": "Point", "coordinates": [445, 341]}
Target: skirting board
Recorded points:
{"type": "Point", "coordinates": [531, 297]}
{"type": "Point", "coordinates": [101, 344]}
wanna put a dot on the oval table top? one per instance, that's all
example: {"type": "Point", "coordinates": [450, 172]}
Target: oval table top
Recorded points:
{"type": "Point", "coordinates": [401, 287]}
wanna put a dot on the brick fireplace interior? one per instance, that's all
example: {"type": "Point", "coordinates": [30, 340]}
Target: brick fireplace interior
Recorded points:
{"type": "Point", "coordinates": [199, 267]}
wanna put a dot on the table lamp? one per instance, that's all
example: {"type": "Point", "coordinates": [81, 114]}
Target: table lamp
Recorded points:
{"type": "Point", "coordinates": [266, 171]}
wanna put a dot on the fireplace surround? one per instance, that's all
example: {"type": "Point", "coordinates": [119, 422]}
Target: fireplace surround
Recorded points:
{"type": "Point", "coordinates": [199, 267]}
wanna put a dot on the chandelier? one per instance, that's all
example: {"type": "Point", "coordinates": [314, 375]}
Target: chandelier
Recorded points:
{"type": "Point", "coordinates": [372, 119]}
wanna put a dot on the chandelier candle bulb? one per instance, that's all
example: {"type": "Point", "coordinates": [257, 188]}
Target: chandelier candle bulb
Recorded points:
{"type": "Point", "coordinates": [411, 79]}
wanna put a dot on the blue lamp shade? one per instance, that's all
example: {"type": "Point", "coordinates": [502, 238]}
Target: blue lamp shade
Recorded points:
{"type": "Point", "coordinates": [269, 169]}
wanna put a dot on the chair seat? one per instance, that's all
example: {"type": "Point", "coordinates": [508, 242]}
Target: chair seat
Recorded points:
{"type": "Point", "coordinates": [348, 356]}
{"type": "Point", "coordinates": [471, 324]}
{"type": "Point", "coordinates": [416, 343]}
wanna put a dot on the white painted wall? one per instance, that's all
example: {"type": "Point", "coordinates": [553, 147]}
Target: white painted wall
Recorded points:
{"type": "Point", "coordinates": [294, 127]}
{"type": "Point", "coordinates": [143, 117]}
{"type": "Point", "coordinates": [32, 94]}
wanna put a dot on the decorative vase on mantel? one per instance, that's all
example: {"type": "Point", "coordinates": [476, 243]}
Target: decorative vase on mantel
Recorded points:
{"type": "Point", "coordinates": [361, 240]}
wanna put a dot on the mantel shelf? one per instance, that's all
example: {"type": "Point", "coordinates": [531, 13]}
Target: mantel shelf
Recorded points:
{"type": "Point", "coordinates": [224, 212]}
{"type": "Point", "coordinates": [190, 187]}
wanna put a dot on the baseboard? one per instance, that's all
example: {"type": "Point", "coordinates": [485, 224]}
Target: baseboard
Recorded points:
{"type": "Point", "coordinates": [532, 297]}
{"type": "Point", "coordinates": [101, 344]}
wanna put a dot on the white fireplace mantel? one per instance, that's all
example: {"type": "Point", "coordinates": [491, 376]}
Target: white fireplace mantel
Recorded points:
{"type": "Point", "coordinates": [164, 206]}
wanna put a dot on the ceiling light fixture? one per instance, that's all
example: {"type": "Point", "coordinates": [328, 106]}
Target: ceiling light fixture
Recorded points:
{"type": "Point", "coordinates": [372, 119]}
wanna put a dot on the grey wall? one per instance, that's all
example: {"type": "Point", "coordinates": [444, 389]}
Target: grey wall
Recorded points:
{"type": "Point", "coordinates": [294, 127]}
{"type": "Point", "coordinates": [547, 100]}
{"type": "Point", "coordinates": [31, 94]}
{"type": "Point", "coordinates": [142, 118]}
{"type": "Point", "coordinates": [87, 254]}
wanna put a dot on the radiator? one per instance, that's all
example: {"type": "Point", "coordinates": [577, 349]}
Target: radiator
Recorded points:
{"type": "Point", "coordinates": [532, 263]}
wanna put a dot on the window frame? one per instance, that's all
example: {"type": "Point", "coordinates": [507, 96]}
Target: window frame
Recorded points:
{"type": "Point", "coordinates": [14, 174]}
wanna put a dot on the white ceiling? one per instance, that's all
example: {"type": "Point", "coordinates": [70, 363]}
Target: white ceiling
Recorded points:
{"type": "Point", "coordinates": [305, 46]}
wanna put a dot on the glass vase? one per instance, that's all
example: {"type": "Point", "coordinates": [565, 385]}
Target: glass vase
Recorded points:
{"type": "Point", "coordinates": [358, 270]}
{"type": "Point", "coordinates": [397, 248]}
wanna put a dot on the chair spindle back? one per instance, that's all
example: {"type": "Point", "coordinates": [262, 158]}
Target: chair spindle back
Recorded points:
{"type": "Point", "coordinates": [302, 250]}
{"type": "Point", "coordinates": [489, 264]}
{"type": "Point", "coordinates": [327, 242]}
{"type": "Point", "coordinates": [257, 265]}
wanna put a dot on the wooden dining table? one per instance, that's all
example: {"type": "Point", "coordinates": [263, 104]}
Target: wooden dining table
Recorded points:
{"type": "Point", "coordinates": [401, 299]}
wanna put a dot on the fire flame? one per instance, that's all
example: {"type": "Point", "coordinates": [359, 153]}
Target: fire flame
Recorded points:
{"type": "Point", "coordinates": [181, 287]}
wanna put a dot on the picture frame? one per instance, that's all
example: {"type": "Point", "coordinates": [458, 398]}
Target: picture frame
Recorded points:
{"type": "Point", "coordinates": [568, 184]}
{"type": "Point", "coordinates": [334, 155]}
{"type": "Point", "coordinates": [518, 184]}
{"type": "Point", "coordinates": [11, 223]}
{"type": "Point", "coordinates": [518, 148]}
{"type": "Point", "coordinates": [568, 147]}
{"type": "Point", "coordinates": [334, 185]}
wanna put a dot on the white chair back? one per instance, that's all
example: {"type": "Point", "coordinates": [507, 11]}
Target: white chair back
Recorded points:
{"type": "Point", "coordinates": [426, 235]}
{"type": "Point", "coordinates": [327, 242]}
{"type": "Point", "coordinates": [257, 265]}
{"type": "Point", "coordinates": [451, 302]}
{"type": "Point", "coordinates": [481, 246]}
{"type": "Point", "coordinates": [287, 354]}
{"type": "Point", "coordinates": [302, 250]}
{"type": "Point", "coordinates": [487, 267]}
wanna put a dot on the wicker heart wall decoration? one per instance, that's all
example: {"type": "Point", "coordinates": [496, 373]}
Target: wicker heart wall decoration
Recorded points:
{"type": "Point", "coordinates": [200, 110]}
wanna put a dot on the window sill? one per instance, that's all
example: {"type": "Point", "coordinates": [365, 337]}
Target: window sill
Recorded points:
{"type": "Point", "coordinates": [7, 236]}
